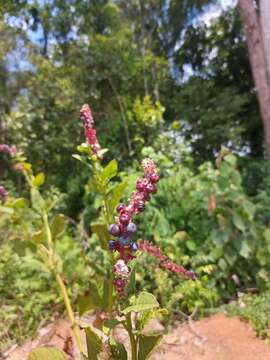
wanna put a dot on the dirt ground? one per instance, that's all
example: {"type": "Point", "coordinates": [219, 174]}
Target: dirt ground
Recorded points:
{"type": "Point", "coordinates": [214, 338]}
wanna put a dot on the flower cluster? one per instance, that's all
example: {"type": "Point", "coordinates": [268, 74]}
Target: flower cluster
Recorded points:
{"type": "Point", "coordinates": [165, 262]}
{"type": "Point", "coordinates": [11, 150]}
{"type": "Point", "coordinates": [125, 228]}
{"type": "Point", "coordinates": [89, 130]}
{"type": "Point", "coordinates": [3, 194]}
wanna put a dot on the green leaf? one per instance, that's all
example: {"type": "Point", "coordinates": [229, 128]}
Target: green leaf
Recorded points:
{"type": "Point", "coordinates": [83, 148]}
{"type": "Point", "coordinates": [37, 201]}
{"type": "Point", "coordinates": [219, 237]}
{"type": "Point", "coordinates": [266, 234]}
{"type": "Point", "coordinates": [147, 344]}
{"type": "Point", "coordinates": [44, 254]}
{"type": "Point", "coordinates": [46, 353]}
{"type": "Point", "coordinates": [6, 209]}
{"type": "Point", "coordinates": [58, 225]}
{"type": "Point", "coordinates": [18, 203]}
{"type": "Point", "coordinates": [225, 169]}
{"type": "Point", "coordinates": [20, 246]}
{"type": "Point", "coordinates": [249, 209]}
{"type": "Point", "coordinates": [147, 315]}
{"type": "Point", "coordinates": [222, 264]}
{"type": "Point", "coordinates": [81, 159]}
{"type": "Point", "coordinates": [94, 344]}
{"type": "Point", "coordinates": [238, 222]}
{"type": "Point", "coordinates": [27, 166]}
{"type": "Point", "coordinates": [39, 236]}
{"type": "Point", "coordinates": [145, 301]}
{"type": "Point", "coordinates": [231, 159]}
{"type": "Point", "coordinates": [91, 300]}
{"type": "Point", "coordinates": [217, 253]}
{"type": "Point", "coordinates": [109, 171]}
{"type": "Point", "coordinates": [117, 194]}
{"type": "Point", "coordinates": [118, 350]}
{"type": "Point", "coordinates": [190, 245]}
{"type": "Point", "coordinates": [78, 157]}
{"type": "Point", "coordinates": [111, 323]}
{"type": "Point", "coordinates": [39, 179]}
{"type": "Point", "coordinates": [245, 250]}
{"type": "Point", "coordinates": [102, 232]}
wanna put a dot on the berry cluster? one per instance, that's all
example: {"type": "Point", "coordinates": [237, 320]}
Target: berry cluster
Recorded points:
{"type": "Point", "coordinates": [3, 194]}
{"type": "Point", "coordinates": [165, 262]}
{"type": "Point", "coordinates": [89, 130]}
{"type": "Point", "coordinates": [125, 228]}
{"type": "Point", "coordinates": [11, 150]}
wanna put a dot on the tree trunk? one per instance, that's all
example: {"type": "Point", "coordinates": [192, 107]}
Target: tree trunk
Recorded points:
{"type": "Point", "coordinates": [258, 64]}
{"type": "Point", "coordinates": [265, 27]}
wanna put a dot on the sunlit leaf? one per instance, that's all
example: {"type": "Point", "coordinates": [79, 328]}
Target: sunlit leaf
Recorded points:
{"type": "Point", "coordinates": [46, 353]}
{"type": "Point", "coordinates": [145, 301]}
{"type": "Point", "coordinates": [39, 179]}
{"type": "Point", "coordinates": [147, 344]}
{"type": "Point", "coordinates": [58, 225]}
{"type": "Point", "coordinates": [109, 171]}
{"type": "Point", "coordinates": [94, 344]}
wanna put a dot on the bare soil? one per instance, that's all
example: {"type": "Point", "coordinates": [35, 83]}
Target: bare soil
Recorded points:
{"type": "Point", "coordinates": [215, 338]}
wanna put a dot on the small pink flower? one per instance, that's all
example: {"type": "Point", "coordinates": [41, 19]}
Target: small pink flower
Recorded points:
{"type": "Point", "coordinates": [18, 167]}
{"type": "Point", "coordinates": [121, 269]}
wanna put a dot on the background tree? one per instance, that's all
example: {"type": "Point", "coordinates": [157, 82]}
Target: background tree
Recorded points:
{"type": "Point", "coordinates": [258, 61]}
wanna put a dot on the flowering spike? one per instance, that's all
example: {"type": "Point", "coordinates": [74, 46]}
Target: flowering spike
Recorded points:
{"type": "Point", "coordinates": [165, 262]}
{"type": "Point", "coordinates": [89, 130]}
{"type": "Point", "coordinates": [11, 150]}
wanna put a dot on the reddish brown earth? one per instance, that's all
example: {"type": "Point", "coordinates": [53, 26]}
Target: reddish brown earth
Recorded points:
{"type": "Point", "coordinates": [214, 338]}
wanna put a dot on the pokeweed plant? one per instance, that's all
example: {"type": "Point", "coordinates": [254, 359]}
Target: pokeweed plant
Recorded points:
{"type": "Point", "coordinates": [112, 295]}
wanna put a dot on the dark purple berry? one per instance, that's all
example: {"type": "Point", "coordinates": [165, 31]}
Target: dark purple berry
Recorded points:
{"type": "Point", "coordinates": [140, 205]}
{"type": "Point", "coordinates": [134, 246]}
{"type": "Point", "coordinates": [124, 218]}
{"type": "Point", "coordinates": [154, 178]}
{"type": "Point", "coordinates": [112, 245]}
{"type": "Point", "coordinates": [114, 230]}
{"type": "Point", "coordinates": [131, 228]}
{"type": "Point", "coordinates": [121, 208]}
{"type": "Point", "coordinates": [119, 284]}
{"type": "Point", "coordinates": [150, 188]}
{"type": "Point", "coordinates": [124, 240]}
{"type": "Point", "coordinates": [140, 185]}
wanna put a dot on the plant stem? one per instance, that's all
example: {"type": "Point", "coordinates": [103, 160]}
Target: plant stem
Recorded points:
{"type": "Point", "coordinates": [75, 328]}
{"type": "Point", "coordinates": [108, 216]}
{"type": "Point", "coordinates": [133, 340]}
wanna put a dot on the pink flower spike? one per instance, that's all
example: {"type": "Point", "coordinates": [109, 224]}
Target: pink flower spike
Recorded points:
{"type": "Point", "coordinates": [165, 262]}
{"type": "Point", "coordinates": [89, 130]}
{"type": "Point", "coordinates": [11, 150]}
{"type": "Point", "coordinates": [3, 194]}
